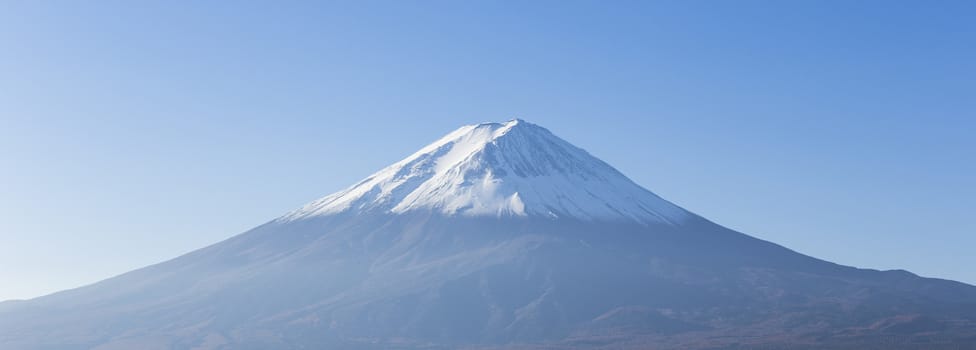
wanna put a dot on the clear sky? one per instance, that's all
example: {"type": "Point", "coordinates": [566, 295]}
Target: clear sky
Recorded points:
{"type": "Point", "coordinates": [132, 132]}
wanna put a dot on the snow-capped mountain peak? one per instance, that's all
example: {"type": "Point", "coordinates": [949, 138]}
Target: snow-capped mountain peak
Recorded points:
{"type": "Point", "coordinates": [501, 169]}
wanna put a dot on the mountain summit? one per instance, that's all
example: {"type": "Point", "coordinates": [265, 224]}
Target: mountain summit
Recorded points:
{"type": "Point", "coordinates": [498, 235]}
{"type": "Point", "coordinates": [501, 169]}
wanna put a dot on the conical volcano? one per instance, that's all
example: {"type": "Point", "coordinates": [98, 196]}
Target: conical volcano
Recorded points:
{"type": "Point", "coordinates": [498, 235]}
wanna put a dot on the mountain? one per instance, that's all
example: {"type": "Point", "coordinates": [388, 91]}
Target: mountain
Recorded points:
{"type": "Point", "coordinates": [497, 236]}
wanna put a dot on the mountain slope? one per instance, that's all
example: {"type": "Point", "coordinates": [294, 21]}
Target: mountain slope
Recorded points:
{"type": "Point", "coordinates": [497, 235]}
{"type": "Point", "coordinates": [501, 169]}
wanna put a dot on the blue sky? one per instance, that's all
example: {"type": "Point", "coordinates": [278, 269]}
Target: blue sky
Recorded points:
{"type": "Point", "coordinates": [132, 133]}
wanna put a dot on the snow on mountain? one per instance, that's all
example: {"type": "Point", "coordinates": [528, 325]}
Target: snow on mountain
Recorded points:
{"type": "Point", "coordinates": [501, 169]}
